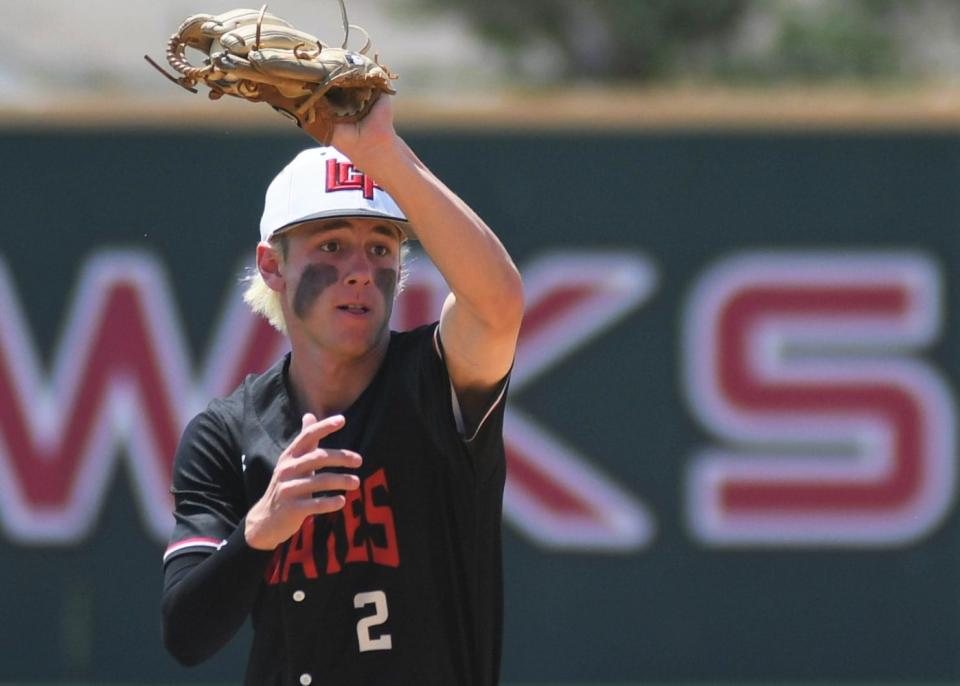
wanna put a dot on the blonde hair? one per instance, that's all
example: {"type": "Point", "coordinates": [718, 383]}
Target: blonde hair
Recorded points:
{"type": "Point", "coordinates": [262, 299]}
{"type": "Point", "coordinates": [267, 302]}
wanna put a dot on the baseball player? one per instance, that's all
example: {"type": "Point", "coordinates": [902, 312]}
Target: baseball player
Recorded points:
{"type": "Point", "coordinates": [348, 499]}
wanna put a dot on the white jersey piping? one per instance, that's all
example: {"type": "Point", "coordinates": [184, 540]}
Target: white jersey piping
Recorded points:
{"type": "Point", "coordinates": [455, 402]}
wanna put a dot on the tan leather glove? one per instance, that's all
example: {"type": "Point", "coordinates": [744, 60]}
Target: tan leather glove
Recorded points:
{"type": "Point", "coordinates": [260, 57]}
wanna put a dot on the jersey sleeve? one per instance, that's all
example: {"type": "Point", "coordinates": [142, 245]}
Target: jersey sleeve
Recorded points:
{"type": "Point", "coordinates": [207, 487]}
{"type": "Point", "coordinates": [479, 436]}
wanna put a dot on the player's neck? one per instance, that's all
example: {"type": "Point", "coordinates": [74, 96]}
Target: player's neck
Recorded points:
{"type": "Point", "coordinates": [325, 383]}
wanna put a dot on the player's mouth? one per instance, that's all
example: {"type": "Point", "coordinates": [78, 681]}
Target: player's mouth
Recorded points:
{"type": "Point", "coordinates": [354, 309]}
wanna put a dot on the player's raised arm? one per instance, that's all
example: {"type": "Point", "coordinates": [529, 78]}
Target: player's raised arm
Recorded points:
{"type": "Point", "coordinates": [482, 316]}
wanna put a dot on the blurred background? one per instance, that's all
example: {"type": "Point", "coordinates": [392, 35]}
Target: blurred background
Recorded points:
{"type": "Point", "coordinates": [732, 434]}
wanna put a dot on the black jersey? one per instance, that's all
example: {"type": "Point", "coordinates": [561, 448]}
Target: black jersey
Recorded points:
{"type": "Point", "coordinates": [402, 586]}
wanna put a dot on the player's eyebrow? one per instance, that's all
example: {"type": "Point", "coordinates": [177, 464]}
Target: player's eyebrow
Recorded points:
{"type": "Point", "coordinates": [388, 230]}
{"type": "Point", "coordinates": [326, 225]}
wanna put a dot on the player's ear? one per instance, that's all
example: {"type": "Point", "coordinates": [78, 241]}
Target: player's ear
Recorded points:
{"type": "Point", "coordinates": [269, 263]}
{"type": "Point", "coordinates": [402, 271]}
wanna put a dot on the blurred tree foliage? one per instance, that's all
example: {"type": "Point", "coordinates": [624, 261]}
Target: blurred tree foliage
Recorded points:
{"type": "Point", "coordinates": [655, 40]}
{"type": "Point", "coordinates": [849, 40]}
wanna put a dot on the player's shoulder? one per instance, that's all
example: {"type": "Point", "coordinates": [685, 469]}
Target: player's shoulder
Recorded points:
{"type": "Point", "coordinates": [231, 412]}
{"type": "Point", "coordinates": [410, 352]}
{"type": "Point", "coordinates": [414, 340]}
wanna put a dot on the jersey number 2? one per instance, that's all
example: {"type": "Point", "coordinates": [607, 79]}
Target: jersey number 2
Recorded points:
{"type": "Point", "coordinates": [379, 601]}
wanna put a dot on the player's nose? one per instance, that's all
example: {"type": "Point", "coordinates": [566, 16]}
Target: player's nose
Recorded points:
{"type": "Point", "coordinates": [359, 269]}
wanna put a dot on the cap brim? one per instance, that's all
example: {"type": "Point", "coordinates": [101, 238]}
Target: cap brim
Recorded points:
{"type": "Point", "coordinates": [401, 222]}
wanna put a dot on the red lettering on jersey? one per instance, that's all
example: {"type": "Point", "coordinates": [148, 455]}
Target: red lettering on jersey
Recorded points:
{"type": "Point", "coordinates": [333, 564]}
{"type": "Point", "coordinates": [346, 177]}
{"type": "Point", "coordinates": [389, 553]}
{"type": "Point", "coordinates": [300, 551]}
{"type": "Point", "coordinates": [352, 519]}
{"type": "Point", "coordinates": [343, 537]}
{"type": "Point", "coordinates": [272, 574]}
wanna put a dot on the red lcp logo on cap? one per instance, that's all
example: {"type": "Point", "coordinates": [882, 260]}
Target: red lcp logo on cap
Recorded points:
{"type": "Point", "coordinates": [343, 176]}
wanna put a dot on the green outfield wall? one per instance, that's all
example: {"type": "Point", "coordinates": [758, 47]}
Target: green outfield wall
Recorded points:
{"type": "Point", "coordinates": [732, 432]}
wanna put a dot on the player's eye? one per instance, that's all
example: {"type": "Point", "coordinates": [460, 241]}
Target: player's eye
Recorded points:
{"type": "Point", "coordinates": [329, 246]}
{"type": "Point", "coordinates": [380, 250]}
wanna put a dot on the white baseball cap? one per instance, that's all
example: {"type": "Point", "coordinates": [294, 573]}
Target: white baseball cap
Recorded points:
{"type": "Point", "coordinates": [320, 183]}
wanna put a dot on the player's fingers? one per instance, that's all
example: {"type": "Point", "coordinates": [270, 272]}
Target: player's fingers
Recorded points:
{"type": "Point", "coordinates": [323, 504]}
{"type": "Point", "coordinates": [322, 458]}
{"type": "Point", "coordinates": [311, 432]}
{"type": "Point", "coordinates": [317, 483]}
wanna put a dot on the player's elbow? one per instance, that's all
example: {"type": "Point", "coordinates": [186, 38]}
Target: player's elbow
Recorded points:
{"type": "Point", "coordinates": [184, 657]}
{"type": "Point", "coordinates": [504, 303]}
{"type": "Point", "coordinates": [181, 637]}
{"type": "Point", "coordinates": [182, 648]}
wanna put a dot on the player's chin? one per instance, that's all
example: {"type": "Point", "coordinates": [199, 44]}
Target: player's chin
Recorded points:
{"type": "Point", "coordinates": [358, 340]}
{"type": "Point", "coordinates": [359, 322]}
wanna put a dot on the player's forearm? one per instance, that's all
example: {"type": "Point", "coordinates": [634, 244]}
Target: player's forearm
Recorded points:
{"type": "Point", "coordinates": [471, 258]}
{"type": "Point", "coordinates": [206, 598]}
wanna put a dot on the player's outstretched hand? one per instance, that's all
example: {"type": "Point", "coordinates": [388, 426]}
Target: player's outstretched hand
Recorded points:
{"type": "Point", "coordinates": [299, 474]}
{"type": "Point", "coordinates": [363, 140]}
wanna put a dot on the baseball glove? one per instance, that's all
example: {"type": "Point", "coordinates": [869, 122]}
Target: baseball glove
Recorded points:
{"type": "Point", "coordinates": [260, 57]}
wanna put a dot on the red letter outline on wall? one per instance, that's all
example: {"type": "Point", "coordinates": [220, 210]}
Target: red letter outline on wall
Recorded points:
{"type": "Point", "coordinates": [121, 386]}
{"type": "Point", "coordinates": [835, 435]}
